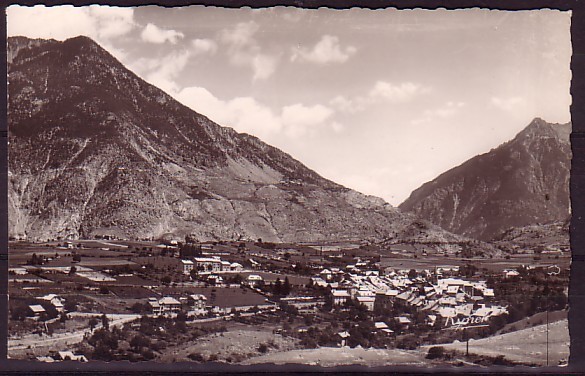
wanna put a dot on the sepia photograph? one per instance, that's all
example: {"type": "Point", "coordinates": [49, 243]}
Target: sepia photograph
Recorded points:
{"type": "Point", "coordinates": [289, 186]}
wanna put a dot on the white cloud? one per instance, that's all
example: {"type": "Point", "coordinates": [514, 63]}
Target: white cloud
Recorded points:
{"type": "Point", "coordinates": [396, 93]}
{"type": "Point", "coordinates": [264, 66]}
{"type": "Point", "coordinates": [204, 46]}
{"type": "Point", "coordinates": [327, 50]}
{"type": "Point", "coordinates": [448, 110]}
{"type": "Point", "coordinates": [381, 92]}
{"type": "Point", "coordinates": [508, 104]}
{"type": "Point", "coordinates": [299, 119]}
{"type": "Point", "coordinates": [101, 23]}
{"type": "Point", "coordinates": [154, 34]}
{"type": "Point", "coordinates": [66, 21]}
{"type": "Point", "coordinates": [349, 105]}
{"type": "Point", "coordinates": [112, 22]}
{"type": "Point", "coordinates": [162, 72]}
{"type": "Point", "coordinates": [244, 50]}
{"type": "Point", "coordinates": [246, 114]}
{"type": "Point", "coordinates": [241, 35]}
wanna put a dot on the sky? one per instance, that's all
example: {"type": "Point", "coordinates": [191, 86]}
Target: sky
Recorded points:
{"type": "Point", "coordinates": [380, 101]}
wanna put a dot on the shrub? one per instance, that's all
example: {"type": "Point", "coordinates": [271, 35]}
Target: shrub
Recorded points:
{"type": "Point", "coordinates": [436, 352]}
{"type": "Point", "coordinates": [148, 354]}
{"type": "Point", "coordinates": [196, 357]}
{"type": "Point", "coordinates": [263, 348]}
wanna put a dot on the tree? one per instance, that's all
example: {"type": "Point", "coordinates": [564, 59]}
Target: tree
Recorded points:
{"type": "Point", "coordinates": [138, 342]}
{"type": "Point", "coordinates": [35, 260]}
{"type": "Point", "coordinates": [277, 288]}
{"type": "Point", "coordinates": [92, 323]}
{"type": "Point", "coordinates": [50, 311]}
{"type": "Point", "coordinates": [72, 270]}
{"type": "Point", "coordinates": [138, 307]}
{"type": "Point", "coordinates": [63, 317]}
{"type": "Point", "coordinates": [436, 352]}
{"type": "Point", "coordinates": [412, 274]}
{"type": "Point", "coordinates": [103, 352]}
{"type": "Point", "coordinates": [286, 288]}
{"type": "Point", "coordinates": [105, 321]}
{"type": "Point", "coordinates": [20, 312]}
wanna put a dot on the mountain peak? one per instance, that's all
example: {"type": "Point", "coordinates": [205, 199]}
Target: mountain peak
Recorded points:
{"type": "Point", "coordinates": [524, 181]}
{"type": "Point", "coordinates": [539, 128]}
{"type": "Point", "coordinates": [111, 154]}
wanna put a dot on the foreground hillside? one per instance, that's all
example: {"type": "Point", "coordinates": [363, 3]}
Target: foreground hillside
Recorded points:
{"type": "Point", "coordinates": [526, 345]}
{"type": "Point", "coordinates": [522, 182]}
{"type": "Point", "coordinates": [95, 150]}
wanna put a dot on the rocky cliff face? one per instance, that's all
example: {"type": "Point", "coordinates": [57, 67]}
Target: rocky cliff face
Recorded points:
{"type": "Point", "coordinates": [95, 150]}
{"type": "Point", "coordinates": [522, 182]}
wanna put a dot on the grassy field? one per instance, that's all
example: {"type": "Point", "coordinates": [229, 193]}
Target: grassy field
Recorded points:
{"type": "Point", "coordinates": [526, 345]}
{"type": "Point", "coordinates": [332, 356]}
{"type": "Point", "coordinates": [495, 265]}
{"type": "Point", "coordinates": [238, 343]}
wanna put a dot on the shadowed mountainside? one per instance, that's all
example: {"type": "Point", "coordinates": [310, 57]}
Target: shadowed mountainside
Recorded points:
{"type": "Point", "coordinates": [95, 150]}
{"type": "Point", "coordinates": [522, 182]}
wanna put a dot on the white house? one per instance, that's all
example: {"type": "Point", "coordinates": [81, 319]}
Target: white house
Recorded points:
{"type": "Point", "coordinates": [236, 267]}
{"type": "Point", "coordinates": [197, 301]}
{"type": "Point", "coordinates": [508, 273]}
{"type": "Point", "coordinates": [340, 296]}
{"type": "Point", "coordinates": [68, 355]}
{"type": "Point", "coordinates": [155, 308]}
{"type": "Point", "coordinates": [404, 321]}
{"type": "Point", "coordinates": [169, 304]}
{"type": "Point", "coordinates": [187, 265]}
{"type": "Point", "coordinates": [254, 280]}
{"type": "Point", "coordinates": [381, 325]}
{"type": "Point", "coordinates": [344, 336]}
{"type": "Point", "coordinates": [37, 310]}
{"type": "Point", "coordinates": [55, 300]}
{"type": "Point", "coordinates": [216, 279]}
{"type": "Point", "coordinates": [164, 305]}
{"type": "Point", "coordinates": [326, 274]}
{"type": "Point", "coordinates": [367, 301]}
{"type": "Point", "coordinates": [206, 264]}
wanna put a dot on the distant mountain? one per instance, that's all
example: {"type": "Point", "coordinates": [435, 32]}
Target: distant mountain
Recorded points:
{"type": "Point", "coordinates": [95, 150]}
{"type": "Point", "coordinates": [546, 237]}
{"type": "Point", "coordinates": [522, 182]}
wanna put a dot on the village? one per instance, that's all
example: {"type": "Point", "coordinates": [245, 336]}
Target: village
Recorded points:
{"type": "Point", "coordinates": [68, 297]}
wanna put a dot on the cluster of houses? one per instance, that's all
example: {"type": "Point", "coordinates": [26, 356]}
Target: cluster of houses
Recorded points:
{"type": "Point", "coordinates": [196, 305]}
{"type": "Point", "coordinates": [55, 300]}
{"type": "Point", "coordinates": [59, 356]}
{"type": "Point", "coordinates": [206, 265]}
{"type": "Point", "coordinates": [447, 298]}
